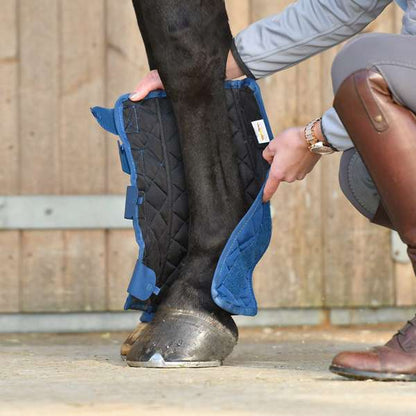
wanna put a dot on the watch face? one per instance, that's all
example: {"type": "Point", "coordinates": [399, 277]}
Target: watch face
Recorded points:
{"type": "Point", "coordinates": [320, 149]}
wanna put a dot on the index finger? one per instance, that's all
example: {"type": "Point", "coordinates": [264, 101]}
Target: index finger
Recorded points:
{"type": "Point", "coordinates": [270, 188]}
{"type": "Point", "coordinates": [149, 83]}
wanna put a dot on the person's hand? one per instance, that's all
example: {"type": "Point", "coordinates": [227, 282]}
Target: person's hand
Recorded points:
{"type": "Point", "coordinates": [149, 83]}
{"type": "Point", "coordinates": [153, 82]}
{"type": "Point", "coordinates": [232, 70]}
{"type": "Point", "coordinates": [290, 159]}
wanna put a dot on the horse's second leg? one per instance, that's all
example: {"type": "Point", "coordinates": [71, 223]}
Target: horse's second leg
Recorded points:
{"type": "Point", "coordinates": [190, 41]}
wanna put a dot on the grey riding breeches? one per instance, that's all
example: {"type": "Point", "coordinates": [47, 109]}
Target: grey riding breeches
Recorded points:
{"type": "Point", "coordinates": [394, 56]}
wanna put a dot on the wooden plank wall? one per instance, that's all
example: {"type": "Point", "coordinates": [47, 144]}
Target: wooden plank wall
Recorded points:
{"type": "Point", "coordinates": [58, 58]}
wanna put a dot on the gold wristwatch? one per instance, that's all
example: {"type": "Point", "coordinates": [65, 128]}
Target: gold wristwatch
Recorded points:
{"type": "Point", "coordinates": [316, 140]}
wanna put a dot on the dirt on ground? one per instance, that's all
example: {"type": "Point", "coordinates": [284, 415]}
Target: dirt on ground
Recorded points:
{"type": "Point", "coordinates": [271, 372]}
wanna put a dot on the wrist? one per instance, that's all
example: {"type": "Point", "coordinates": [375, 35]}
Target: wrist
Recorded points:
{"type": "Point", "coordinates": [315, 138]}
{"type": "Point", "coordinates": [232, 69]}
{"type": "Point", "coordinates": [236, 67]}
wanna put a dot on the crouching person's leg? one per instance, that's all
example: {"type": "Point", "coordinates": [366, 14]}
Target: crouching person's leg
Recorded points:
{"type": "Point", "coordinates": [189, 42]}
{"type": "Point", "coordinates": [382, 126]}
{"type": "Point", "coordinates": [359, 188]}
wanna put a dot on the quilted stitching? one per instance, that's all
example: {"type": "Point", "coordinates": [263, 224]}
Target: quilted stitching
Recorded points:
{"type": "Point", "coordinates": [163, 217]}
{"type": "Point", "coordinates": [164, 230]}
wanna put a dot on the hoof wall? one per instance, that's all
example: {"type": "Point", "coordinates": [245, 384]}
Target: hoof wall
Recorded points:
{"type": "Point", "coordinates": [182, 339]}
{"type": "Point", "coordinates": [131, 339]}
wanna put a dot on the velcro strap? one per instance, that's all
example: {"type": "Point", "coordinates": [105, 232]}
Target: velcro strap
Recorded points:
{"type": "Point", "coordinates": [133, 198]}
{"type": "Point", "coordinates": [143, 282]}
{"type": "Point", "coordinates": [123, 158]}
{"type": "Point", "coordinates": [148, 314]}
{"type": "Point", "coordinates": [105, 118]}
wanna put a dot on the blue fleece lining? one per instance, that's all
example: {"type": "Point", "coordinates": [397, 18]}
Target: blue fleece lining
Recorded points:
{"type": "Point", "coordinates": [232, 287]}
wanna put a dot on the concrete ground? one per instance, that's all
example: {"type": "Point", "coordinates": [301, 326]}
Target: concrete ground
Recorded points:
{"type": "Point", "coordinates": [271, 372]}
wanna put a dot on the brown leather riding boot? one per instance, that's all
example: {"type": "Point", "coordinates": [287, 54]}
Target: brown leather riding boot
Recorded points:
{"type": "Point", "coordinates": [384, 134]}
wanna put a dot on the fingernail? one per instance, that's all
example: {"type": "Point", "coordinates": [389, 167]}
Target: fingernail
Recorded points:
{"type": "Point", "coordinates": [134, 96]}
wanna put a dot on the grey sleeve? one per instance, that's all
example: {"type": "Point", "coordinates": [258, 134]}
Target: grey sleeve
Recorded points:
{"type": "Point", "coordinates": [303, 29]}
{"type": "Point", "coordinates": [335, 132]}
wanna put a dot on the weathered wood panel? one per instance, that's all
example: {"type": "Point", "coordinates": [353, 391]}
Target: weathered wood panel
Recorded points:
{"type": "Point", "coordinates": [83, 285]}
{"type": "Point", "coordinates": [9, 271]}
{"type": "Point", "coordinates": [82, 85]}
{"type": "Point", "coordinates": [9, 150]}
{"type": "Point", "coordinates": [64, 41]}
{"type": "Point", "coordinates": [405, 284]}
{"type": "Point", "coordinates": [121, 259]}
{"type": "Point", "coordinates": [9, 60]}
{"type": "Point", "coordinates": [83, 146]}
{"type": "Point", "coordinates": [276, 270]}
{"type": "Point", "coordinates": [39, 92]}
{"type": "Point", "coordinates": [291, 271]}
{"type": "Point", "coordinates": [238, 14]}
{"type": "Point", "coordinates": [42, 252]}
{"type": "Point", "coordinates": [42, 272]}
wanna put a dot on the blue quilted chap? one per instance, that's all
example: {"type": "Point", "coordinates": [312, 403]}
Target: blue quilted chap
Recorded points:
{"type": "Point", "coordinates": [157, 204]}
{"type": "Point", "coordinates": [232, 286]}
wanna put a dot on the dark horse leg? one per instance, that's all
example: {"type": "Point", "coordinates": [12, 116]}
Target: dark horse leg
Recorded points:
{"type": "Point", "coordinates": [140, 21]}
{"type": "Point", "coordinates": [188, 41]}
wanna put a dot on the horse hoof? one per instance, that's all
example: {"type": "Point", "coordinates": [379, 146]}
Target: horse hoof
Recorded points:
{"type": "Point", "coordinates": [183, 338]}
{"type": "Point", "coordinates": [131, 339]}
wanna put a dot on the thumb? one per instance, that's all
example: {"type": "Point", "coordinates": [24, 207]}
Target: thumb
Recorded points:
{"type": "Point", "coordinates": [268, 154]}
{"type": "Point", "coordinates": [149, 83]}
{"type": "Point", "coordinates": [270, 188]}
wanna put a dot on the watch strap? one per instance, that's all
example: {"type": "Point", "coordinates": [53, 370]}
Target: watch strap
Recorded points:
{"type": "Point", "coordinates": [314, 134]}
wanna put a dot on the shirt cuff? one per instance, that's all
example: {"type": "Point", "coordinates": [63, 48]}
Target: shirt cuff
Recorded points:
{"type": "Point", "coordinates": [334, 131]}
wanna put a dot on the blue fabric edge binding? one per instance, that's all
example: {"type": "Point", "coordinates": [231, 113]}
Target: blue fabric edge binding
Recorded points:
{"type": "Point", "coordinates": [131, 303]}
{"type": "Point", "coordinates": [119, 120]}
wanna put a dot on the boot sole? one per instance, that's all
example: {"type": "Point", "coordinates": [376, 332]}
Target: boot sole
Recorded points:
{"type": "Point", "coordinates": [157, 361]}
{"type": "Point", "coordinates": [371, 375]}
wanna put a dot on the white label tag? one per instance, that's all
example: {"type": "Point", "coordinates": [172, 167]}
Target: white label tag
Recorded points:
{"type": "Point", "coordinates": [260, 129]}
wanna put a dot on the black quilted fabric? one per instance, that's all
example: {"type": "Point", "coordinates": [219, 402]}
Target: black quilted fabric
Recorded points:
{"type": "Point", "coordinates": [151, 129]}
